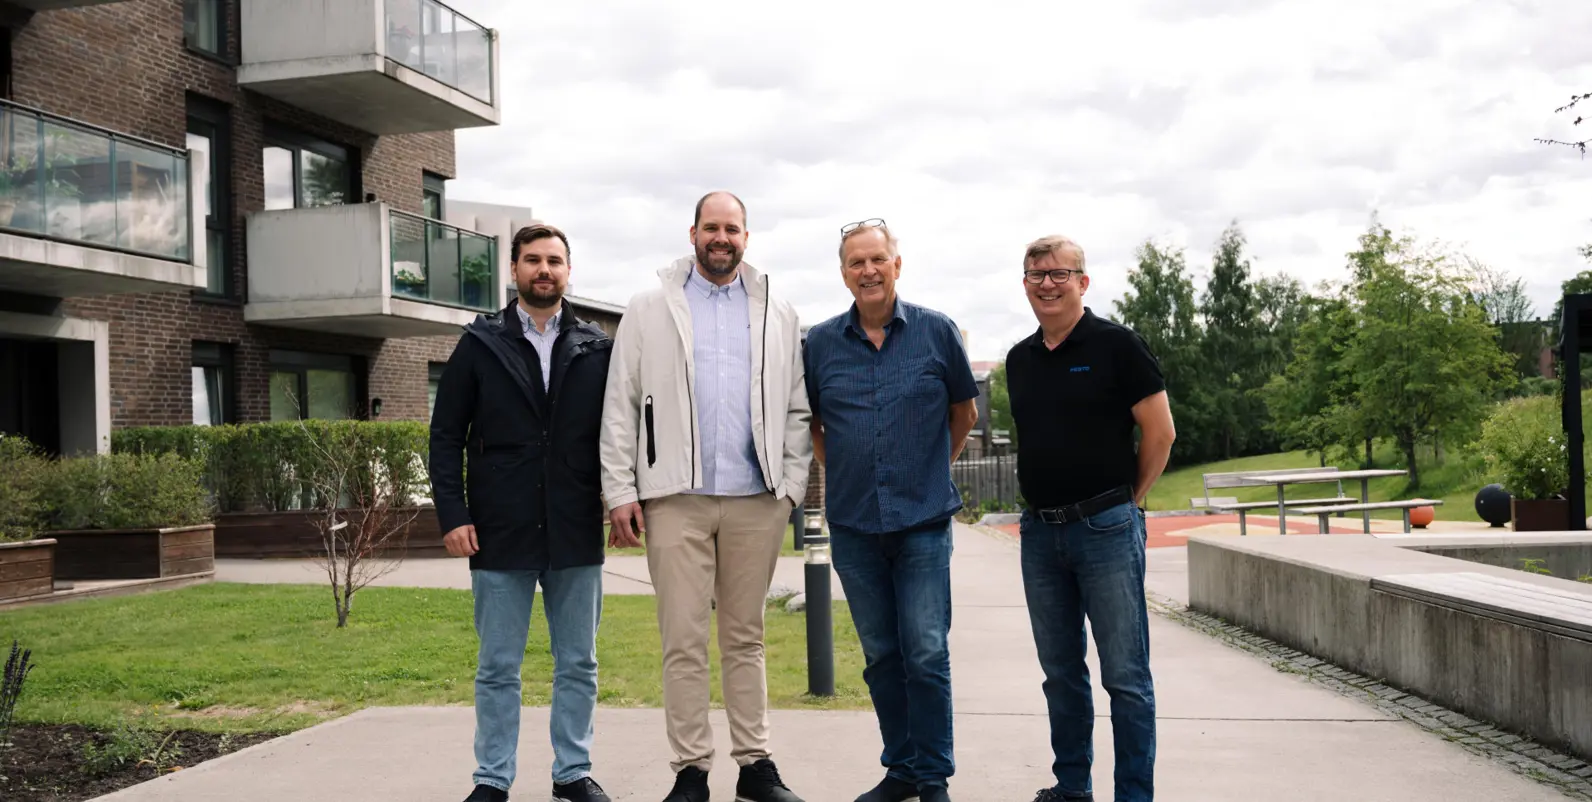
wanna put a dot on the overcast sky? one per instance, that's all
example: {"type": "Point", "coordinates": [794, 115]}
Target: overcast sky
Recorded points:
{"type": "Point", "coordinates": [976, 129]}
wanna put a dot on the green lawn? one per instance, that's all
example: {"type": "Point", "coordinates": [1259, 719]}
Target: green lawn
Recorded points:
{"type": "Point", "coordinates": [788, 550]}
{"type": "Point", "coordinates": [234, 657]}
{"type": "Point", "coordinates": [1455, 482]}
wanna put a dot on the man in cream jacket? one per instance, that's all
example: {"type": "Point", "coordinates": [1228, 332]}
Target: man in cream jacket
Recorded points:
{"type": "Point", "coordinates": [705, 449]}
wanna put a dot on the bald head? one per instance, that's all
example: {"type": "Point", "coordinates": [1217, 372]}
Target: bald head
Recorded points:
{"type": "Point", "coordinates": [719, 197]}
{"type": "Point", "coordinates": [719, 236]}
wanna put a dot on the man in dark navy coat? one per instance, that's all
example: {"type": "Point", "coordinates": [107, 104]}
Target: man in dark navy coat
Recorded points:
{"type": "Point", "coordinates": [521, 401]}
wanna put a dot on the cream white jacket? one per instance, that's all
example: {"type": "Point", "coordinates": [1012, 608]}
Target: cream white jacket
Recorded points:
{"type": "Point", "coordinates": [650, 446]}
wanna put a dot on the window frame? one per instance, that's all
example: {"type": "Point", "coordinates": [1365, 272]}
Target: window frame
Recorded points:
{"type": "Point", "coordinates": [433, 384]}
{"type": "Point", "coordinates": [434, 184]}
{"type": "Point", "coordinates": [297, 142]}
{"type": "Point", "coordinates": [204, 113]}
{"type": "Point", "coordinates": [300, 363]}
{"type": "Point", "coordinates": [223, 12]}
{"type": "Point", "coordinates": [220, 357]}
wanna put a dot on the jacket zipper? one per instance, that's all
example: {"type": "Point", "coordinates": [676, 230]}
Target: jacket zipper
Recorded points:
{"type": "Point", "coordinates": [762, 386]}
{"type": "Point", "coordinates": [652, 449]}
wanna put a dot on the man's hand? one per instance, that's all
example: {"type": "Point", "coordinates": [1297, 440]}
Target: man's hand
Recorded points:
{"type": "Point", "coordinates": [461, 541]}
{"type": "Point", "coordinates": [626, 524]}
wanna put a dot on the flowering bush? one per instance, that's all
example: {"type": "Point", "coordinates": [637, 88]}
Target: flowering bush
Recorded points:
{"type": "Point", "coordinates": [1526, 448]}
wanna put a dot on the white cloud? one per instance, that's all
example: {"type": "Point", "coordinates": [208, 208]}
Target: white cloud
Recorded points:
{"type": "Point", "coordinates": [977, 129]}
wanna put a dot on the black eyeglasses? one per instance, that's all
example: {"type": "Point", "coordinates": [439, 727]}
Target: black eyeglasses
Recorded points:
{"type": "Point", "coordinates": [872, 222]}
{"type": "Point", "coordinates": [1060, 276]}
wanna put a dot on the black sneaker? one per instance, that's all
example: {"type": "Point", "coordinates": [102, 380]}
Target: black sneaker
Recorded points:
{"type": "Point", "coordinates": [891, 789]}
{"type": "Point", "coordinates": [486, 793]}
{"type": "Point", "coordinates": [1052, 795]}
{"type": "Point", "coordinates": [759, 782]}
{"type": "Point", "coordinates": [584, 789]}
{"type": "Point", "coordinates": [935, 793]}
{"type": "Point", "coordinates": [690, 785]}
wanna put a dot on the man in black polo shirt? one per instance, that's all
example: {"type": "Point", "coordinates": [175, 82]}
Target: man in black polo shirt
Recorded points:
{"type": "Point", "coordinates": [1078, 387]}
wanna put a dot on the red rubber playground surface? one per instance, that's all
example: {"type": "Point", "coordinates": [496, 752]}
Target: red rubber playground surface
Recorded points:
{"type": "Point", "coordinates": [1164, 530]}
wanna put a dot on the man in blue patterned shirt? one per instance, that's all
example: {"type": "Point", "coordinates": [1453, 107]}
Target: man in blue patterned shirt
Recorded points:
{"type": "Point", "coordinates": [893, 399]}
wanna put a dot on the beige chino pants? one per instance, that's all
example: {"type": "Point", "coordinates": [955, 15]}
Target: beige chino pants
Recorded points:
{"type": "Point", "coordinates": [723, 548]}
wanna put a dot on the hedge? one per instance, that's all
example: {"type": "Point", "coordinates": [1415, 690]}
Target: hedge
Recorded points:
{"type": "Point", "coordinates": [103, 491]}
{"type": "Point", "coordinates": [274, 466]}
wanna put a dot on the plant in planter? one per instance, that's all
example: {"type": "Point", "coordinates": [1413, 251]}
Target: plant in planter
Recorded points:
{"type": "Point", "coordinates": [129, 516]}
{"type": "Point", "coordinates": [475, 274]}
{"type": "Point", "coordinates": [1526, 450]}
{"type": "Point", "coordinates": [27, 562]}
{"type": "Point", "coordinates": [407, 282]}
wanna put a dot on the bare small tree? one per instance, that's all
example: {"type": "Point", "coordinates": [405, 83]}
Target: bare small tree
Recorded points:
{"type": "Point", "coordinates": [1578, 145]}
{"type": "Point", "coordinates": [363, 486]}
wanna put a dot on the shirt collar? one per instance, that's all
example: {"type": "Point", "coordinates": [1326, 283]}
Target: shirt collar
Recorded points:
{"type": "Point", "coordinates": [694, 280]}
{"type": "Point", "coordinates": [899, 315]}
{"type": "Point", "coordinates": [1080, 332]}
{"type": "Point", "coordinates": [528, 325]}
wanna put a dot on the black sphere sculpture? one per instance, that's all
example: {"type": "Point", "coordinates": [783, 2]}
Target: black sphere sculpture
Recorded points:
{"type": "Point", "coordinates": [1492, 504]}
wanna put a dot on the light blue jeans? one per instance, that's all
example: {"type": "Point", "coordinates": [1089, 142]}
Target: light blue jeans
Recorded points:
{"type": "Point", "coordinates": [572, 599]}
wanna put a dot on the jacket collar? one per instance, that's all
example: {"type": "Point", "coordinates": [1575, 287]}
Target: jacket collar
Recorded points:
{"type": "Point", "coordinates": [674, 276]}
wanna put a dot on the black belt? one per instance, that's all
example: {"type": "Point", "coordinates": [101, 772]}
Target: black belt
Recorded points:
{"type": "Point", "coordinates": [1085, 508]}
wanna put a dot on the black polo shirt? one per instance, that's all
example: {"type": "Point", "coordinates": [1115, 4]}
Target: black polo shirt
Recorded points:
{"type": "Point", "coordinates": [1073, 408]}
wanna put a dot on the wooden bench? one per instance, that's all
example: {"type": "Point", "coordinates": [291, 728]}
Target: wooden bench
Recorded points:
{"type": "Point", "coordinates": [1561, 612]}
{"type": "Point", "coordinates": [1322, 513]}
{"type": "Point", "coordinates": [1244, 508]}
{"type": "Point", "coordinates": [1237, 479]}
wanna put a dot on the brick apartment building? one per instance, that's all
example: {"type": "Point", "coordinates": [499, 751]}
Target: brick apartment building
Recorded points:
{"type": "Point", "coordinates": [233, 210]}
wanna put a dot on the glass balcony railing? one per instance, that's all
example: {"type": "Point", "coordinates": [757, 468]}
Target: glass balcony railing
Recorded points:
{"type": "Point", "coordinates": [438, 263]}
{"type": "Point", "coordinates": [79, 183]}
{"type": "Point", "coordinates": [432, 38]}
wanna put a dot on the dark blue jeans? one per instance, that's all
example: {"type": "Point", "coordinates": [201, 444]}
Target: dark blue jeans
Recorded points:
{"type": "Point", "coordinates": [1095, 568]}
{"type": "Point", "coordinates": [898, 586]}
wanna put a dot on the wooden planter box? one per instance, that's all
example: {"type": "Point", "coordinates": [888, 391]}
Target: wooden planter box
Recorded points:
{"type": "Point", "coordinates": [1540, 515]}
{"type": "Point", "coordinates": [134, 553]}
{"type": "Point", "coordinates": [27, 568]}
{"type": "Point", "coordinates": [293, 534]}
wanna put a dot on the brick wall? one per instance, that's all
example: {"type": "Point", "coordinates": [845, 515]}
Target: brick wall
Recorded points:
{"type": "Point", "coordinates": [124, 66]}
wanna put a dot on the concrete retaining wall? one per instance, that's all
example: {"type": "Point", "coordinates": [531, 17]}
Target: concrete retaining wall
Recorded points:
{"type": "Point", "coordinates": [1315, 594]}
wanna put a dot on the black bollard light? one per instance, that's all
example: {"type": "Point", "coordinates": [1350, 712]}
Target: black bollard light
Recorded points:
{"type": "Point", "coordinates": [820, 627]}
{"type": "Point", "coordinates": [798, 525]}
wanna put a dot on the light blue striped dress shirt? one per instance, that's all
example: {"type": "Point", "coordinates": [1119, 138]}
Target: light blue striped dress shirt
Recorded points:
{"type": "Point", "coordinates": [721, 325]}
{"type": "Point", "coordinates": [543, 340]}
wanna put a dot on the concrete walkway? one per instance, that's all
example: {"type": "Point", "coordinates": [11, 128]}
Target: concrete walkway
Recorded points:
{"type": "Point", "coordinates": [1230, 727]}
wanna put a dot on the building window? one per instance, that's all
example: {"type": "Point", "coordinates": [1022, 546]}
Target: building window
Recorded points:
{"type": "Point", "coordinates": [208, 134]}
{"type": "Point", "coordinates": [302, 172]}
{"type": "Point", "coordinates": [204, 26]}
{"type": "Point", "coordinates": [435, 380]}
{"type": "Point", "coordinates": [432, 195]}
{"type": "Point", "coordinates": [212, 384]}
{"type": "Point", "coordinates": [306, 385]}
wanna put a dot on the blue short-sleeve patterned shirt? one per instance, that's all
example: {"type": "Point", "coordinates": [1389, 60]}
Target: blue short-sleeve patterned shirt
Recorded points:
{"type": "Point", "coordinates": [885, 411]}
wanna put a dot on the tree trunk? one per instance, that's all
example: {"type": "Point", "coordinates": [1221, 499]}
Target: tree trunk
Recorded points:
{"type": "Point", "coordinates": [1370, 462]}
{"type": "Point", "coordinates": [1407, 444]}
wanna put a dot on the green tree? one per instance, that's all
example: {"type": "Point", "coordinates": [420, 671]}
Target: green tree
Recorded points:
{"type": "Point", "coordinates": [1423, 362]}
{"type": "Point", "coordinates": [1305, 397]}
{"type": "Point", "coordinates": [1503, 300]}
{"type": "Point", "coordinates": [1000, 404]}
{"type": "Point", "coordinates": [1160, 306]}
{"type": "Point", "coordinates": [1231, 348]}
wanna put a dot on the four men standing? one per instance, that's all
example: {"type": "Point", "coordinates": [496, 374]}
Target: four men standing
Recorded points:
{"type": "Point", "coordinates": [695, 426]}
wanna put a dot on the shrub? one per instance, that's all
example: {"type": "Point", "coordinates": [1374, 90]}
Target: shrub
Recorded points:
{"type": "Point", "coordinates": [21, 509]}
{"type": "Point", "coordinates": [1526, 448]}
{"type": "Point", "coordinates": [275, 466]}
{"type": "Point", "coordinates": [124, 491]}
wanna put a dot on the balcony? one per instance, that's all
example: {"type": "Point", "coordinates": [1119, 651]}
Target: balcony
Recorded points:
{"type": "Point", "coordinates": [383, 66]}
{"type": "Point", "coordinates": [88, 211]}
{"type": "Point", "coordinates": [369, 271]}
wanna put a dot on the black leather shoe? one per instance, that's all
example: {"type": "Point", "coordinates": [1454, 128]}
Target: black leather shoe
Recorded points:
{"type": "Point", "coordinates": [690, 785]}
{"type": "Point", "coordinates": [934, 793]}
{"type": "Point", "coordinates": [759, 782]}
{"type": "Point", "coordinates": [891, 789]}
{"type": "Point", "coordinates": [486, 793]}
{"type": "Point", "coordinates": [584, 789]}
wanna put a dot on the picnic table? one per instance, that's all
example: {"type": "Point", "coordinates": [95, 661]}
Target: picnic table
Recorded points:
{"type": "Point", "coordinates": [1282, 480]}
